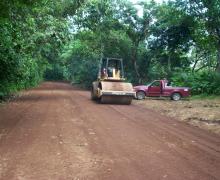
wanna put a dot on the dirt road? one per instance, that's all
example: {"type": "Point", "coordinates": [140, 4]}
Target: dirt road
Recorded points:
{"type": "Point", "coordinates": [57, 132]}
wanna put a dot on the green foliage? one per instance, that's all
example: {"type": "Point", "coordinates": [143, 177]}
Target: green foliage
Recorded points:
{"type": "Point", "coordinates": [82, 59]}
{"type": "Point", "coordinates": [54, 72]}
{"type": "Point", "coordinates": [64, 40]}
{"type": "Point", "coordinates": [32, 34]}
{"type": "Point", "coordinates": [204, 82]}
{"type": "Point", "coordinates": [19, 68]}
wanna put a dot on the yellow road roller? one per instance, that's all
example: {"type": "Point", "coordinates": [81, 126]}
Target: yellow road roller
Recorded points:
{"type": "Point", "coordinates": [110, 87]}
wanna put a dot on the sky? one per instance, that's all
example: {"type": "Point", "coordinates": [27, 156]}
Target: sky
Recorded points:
{"type": "Point", "coordinates": [135, 1]}
{"type": "Point", "coordinates": [140, 11]}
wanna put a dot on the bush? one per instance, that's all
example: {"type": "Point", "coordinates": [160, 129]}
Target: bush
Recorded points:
{"type": "Point", "coordinates": [203, 82]}
{"type": "Point", "coordinates": [54, 72]}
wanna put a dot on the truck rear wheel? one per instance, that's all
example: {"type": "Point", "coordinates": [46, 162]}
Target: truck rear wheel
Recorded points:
{"type": "Point", "coordinates": [140, 95]}
{"type": "Point", "coordinates": [176, 96]}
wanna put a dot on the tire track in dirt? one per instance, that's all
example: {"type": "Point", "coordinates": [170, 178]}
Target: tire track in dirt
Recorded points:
{"type": "Point", "coordinates": [180, 141]}
{"type": "Point", "coordinates": [170, 127]}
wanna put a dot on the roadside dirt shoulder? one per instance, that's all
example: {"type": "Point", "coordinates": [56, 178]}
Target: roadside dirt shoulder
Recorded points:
{"type": "Point", "coordinates": [204, 114]}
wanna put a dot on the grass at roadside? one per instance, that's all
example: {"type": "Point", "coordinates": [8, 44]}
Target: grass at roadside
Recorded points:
{"type": "Point", "coordinates": [205, 96]}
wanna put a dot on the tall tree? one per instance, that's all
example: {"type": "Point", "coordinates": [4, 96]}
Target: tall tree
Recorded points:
{"type": "Point", "coordinates": [171, 36]}
{"type": "Point", "coordinates": [207, 14]}
{"type": "Point", "coordinates": [136, 26]}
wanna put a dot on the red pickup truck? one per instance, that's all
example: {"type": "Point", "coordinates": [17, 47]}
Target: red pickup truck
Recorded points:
{"type": "Point", "coordinates": [161, 88]}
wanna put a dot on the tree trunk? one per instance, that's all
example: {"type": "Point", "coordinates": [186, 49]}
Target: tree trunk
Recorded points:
{"type": "Point", "coordinates": [136, 71]}
{"type": "Point", "coordinates": [218, 60]}
{"type": "Point", "coordinates": [102, 49]}
{"type": "Point", "coordinates": [195, 63]}
{"type": "Point", "coordinates": [169, 64]}
{"type": "Point", "coordinates": [134, 62]}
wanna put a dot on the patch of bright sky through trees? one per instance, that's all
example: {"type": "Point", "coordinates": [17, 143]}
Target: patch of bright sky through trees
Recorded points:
{"type": "Point", "coordinates": [140, 10]}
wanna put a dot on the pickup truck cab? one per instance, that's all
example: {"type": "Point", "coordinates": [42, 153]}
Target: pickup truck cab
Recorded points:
{"type": "Point", "coordinates": [160, 88]}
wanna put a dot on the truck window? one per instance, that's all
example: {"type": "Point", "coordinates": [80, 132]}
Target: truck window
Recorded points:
{"type": "Point", "coordinates": [156, 84]}
{"type": "Point", "coordinates": [168, 84]}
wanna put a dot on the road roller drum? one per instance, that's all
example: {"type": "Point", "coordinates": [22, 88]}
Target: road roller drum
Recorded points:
{"type": "Point", "coordinates": [111, 88]}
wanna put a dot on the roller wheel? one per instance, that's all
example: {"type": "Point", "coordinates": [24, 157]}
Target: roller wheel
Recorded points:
{"type": "Point", "coordinates": [93, 96]}
{"type": "Point", "coordinates": [116, 100]}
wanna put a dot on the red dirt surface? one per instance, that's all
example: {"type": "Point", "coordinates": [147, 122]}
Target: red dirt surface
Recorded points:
{"type": "Point", "coordinates": [202, 113]}
{"type": "Point", "coordinates": [56, 132]}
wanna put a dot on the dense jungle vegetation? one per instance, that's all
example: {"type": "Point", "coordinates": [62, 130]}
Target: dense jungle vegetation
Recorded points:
{"type": "Point", "coordinates": [64, 40]}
